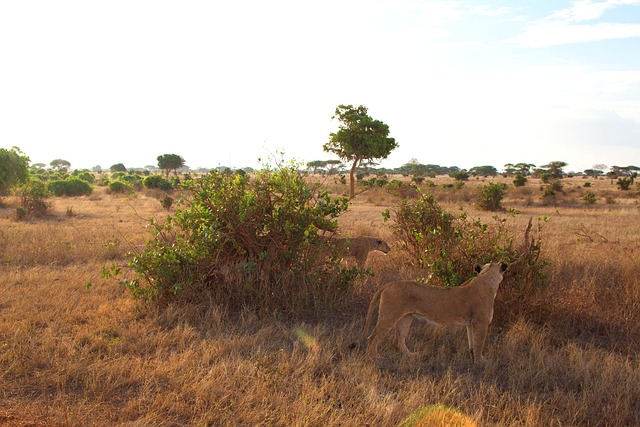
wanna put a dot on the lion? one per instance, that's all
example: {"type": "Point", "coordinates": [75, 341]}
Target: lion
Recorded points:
{"type": "Point", "coordinates": [359, 247]}
{"type": "Point", "coordinates": [470, 305]}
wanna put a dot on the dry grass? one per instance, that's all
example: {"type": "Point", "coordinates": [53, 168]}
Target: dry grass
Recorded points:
{"type": "Point", "coordinates": [71, 356]}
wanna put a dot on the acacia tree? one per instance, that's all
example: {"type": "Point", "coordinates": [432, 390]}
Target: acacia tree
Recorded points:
{"type": "Point", "coordinates": [359, 138]}
{"type": "Point", "coordinates": [60, 165]}
{"type": "Point", "coordinates": [170, 162]}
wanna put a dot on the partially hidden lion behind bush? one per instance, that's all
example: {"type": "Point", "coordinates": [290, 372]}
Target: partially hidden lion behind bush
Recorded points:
{"type": "Point", "coordinates": [470, 305]}
{"type": "Point", "coordinates": [359, 247]}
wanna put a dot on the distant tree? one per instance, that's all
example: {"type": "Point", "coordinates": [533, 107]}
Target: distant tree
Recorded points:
{"type": "Point", "coordinates": [554, 169]}
{"type": "Point", "coordinates": [60, 165]}
{"type": "Point", "coordinates": [315, 165]}
{"type": "Point", "coordinates": [593, 172]}
{"type": "Point", "coordinates": [483, 171]}
{"type": "Point", "coordinates": [170, 162]}
{"type": "Point", "coordinates": [118, 167]}
{"type": "Point", "coordinates": [333, 166]}
{"type": "Point", "coordinates": [460, 175]}
{"type": "Point", "coordinates": [14, 168]}
{"type": "Point", "coordinates": [359, 138]}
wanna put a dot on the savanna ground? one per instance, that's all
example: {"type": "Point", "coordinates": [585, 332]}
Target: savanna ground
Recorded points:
{"type": "Point", "coordinates": [73, 356]}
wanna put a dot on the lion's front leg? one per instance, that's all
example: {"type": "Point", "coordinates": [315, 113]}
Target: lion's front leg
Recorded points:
{"type": "Point", "coordinates": [479, 335]}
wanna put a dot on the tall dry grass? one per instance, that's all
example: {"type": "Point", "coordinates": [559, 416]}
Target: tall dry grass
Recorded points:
{"type": "Point", "coordinates": [71, 356]}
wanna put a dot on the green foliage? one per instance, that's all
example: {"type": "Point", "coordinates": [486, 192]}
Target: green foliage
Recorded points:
{"type": "Point", "coordinates": [70, 187]}
{"type": "Point", "coordinates": [170, 162]}
{"type": "Point", "coordinates": [157, 181]}
{"type": "Point", "coordinates": [86, 176]}
{"type": "Point", "coordinates": [167, 202]}
{"type": "Point", "coordinates": [624, 183]}
{"type": "Point", "coordinates": [118, 167]}
{"type": "Point", "coordinates": [449, 245]}
{"type": "Point", "coordinates": [119, 186]}
{"type": "Point", "coordinates": [587, 184]}
{"type": "Point", "coordinates": [589, 198]}
{"type": "Point", "coordinates": [60, 165]}
{"type": "Point", "coordinates": [491, 196]}
{"type": "Point", "coordinates": [359, 138]}
{"type": "Point", "coordinates": [14, 169]}
{"type": "Point", "coordinates": [247, 242]}
{"type": "Point", "coordinates": [460, 175]}
{"type": "Point", "coordinates": [33, 197]}
{"type": "Point", "coordinates": [519, 180]}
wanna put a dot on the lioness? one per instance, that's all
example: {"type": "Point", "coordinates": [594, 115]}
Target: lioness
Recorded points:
{"type": "Point", "coordinates": [470, 305]}
{"type": "Point", "coordinates": [359, 247]}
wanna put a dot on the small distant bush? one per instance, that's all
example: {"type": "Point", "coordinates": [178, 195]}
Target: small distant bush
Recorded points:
{"type": "Point", "coordinates": [519, 180]}
{"type": "Point", "coordinates": [589, 198]}
{"type": "Point", "coordinates": [418, 179]}
{"type": "Point", "coordinates": [33, 197]}
{"type": "Point", "coordinates": [157, 181]}
{"type": "Point", "coordinates": [460, 175]}
{"type": "Point", "coordinates": [624, 183]}
{"type": "Point", "coordinates": [166, 202]}
{"type": "Point", "coordinates": [86, 176]}
{"type": "Point", "coordinates": [70, 187]}
{"type": "Point", "coordinates": [120, 187]}
{"type": "Point", "coordinates": [491, 196]}
{"type": "Point", "coordinates": [587, 184]}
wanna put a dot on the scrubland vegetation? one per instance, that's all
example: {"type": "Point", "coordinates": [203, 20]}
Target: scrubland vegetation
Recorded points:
{"type": "Point", "coordinates": [77, 349]}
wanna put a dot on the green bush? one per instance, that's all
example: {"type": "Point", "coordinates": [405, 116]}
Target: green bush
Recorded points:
{"type": "Point", "coordinates": [448, 246]}
{"type": "Point", "coordinates": [491, 196]}
{"type": "Point", "coordinates": [589, 198]}
{"type": "Point", "coordinates": [246, 242]}
{"type": "Point", "coordinates": [519, 180]}
{"type": "Point", "coordinates": [119, 186]}
{"type": "Point", "coordinates": [624, 183]}
{"type": "Point", "coordinates": [86, 176]}
{"type": "Point", "coordinates": [70, 187]}
{"type": "Point", "coordinates": [33, 197]}
{"type": "Point", "coordinates": [157, 181]}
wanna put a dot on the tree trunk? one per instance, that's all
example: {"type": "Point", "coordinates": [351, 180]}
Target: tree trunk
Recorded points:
{"type": "Point", "coordinates": [352, 179]}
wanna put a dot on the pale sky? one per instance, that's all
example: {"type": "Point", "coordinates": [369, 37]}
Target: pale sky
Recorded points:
{"type": "Point", "coordinates": [225, 83]}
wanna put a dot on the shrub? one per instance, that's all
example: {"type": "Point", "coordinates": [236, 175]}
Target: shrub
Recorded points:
{"type": "Point", "coordinates": [119, 186]}
{"type": "Point", "coordinates": [86, 176]}
{"type": "Point", "coordinates": [448, 246]}
{"type": "Point", "coordinates": [587, 184]}
{"type": "Point", "coordinates": [460, 175]}
{"type": "Point", "coordinates": [33, 197]}
{"type": "Point", "coordinates": [246, 242]}
{"type": "Point", "coordinates": [589, 198]}
{"type": "Point", "coordinates": [166, 202]}
{"type": "Point", "coordinates": [70, 187]}
{"type": "Point", "coordinates": [624, 183]}
{"type": "Point", "coordinates": [157, 181]}
{"type": "Point", "coordinates": [519, 180]}
{"type": "Point", "coordinates": [491, 196]}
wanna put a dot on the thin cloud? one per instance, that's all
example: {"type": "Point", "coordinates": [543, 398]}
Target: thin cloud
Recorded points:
{"type": "Point", "coordinates": [570, 25]}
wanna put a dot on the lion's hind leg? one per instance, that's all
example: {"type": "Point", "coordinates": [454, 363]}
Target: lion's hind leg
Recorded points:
{"type": "Point", "coordinates": [401, 332]}
{"type": "Point", "coordinates": [383, 326]}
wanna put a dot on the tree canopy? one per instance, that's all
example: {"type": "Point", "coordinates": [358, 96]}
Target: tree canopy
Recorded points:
{"type": "Point", "coordinates": [60, 165]}
{"type": "Point", "coordinates": [14, 168]}
{"type": "Point", "coordinates": [359, 138]}
{"type": "Point", "coordinates": [170, 162]}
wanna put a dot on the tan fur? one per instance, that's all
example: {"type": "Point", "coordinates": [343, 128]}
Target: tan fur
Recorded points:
{"type": "Point", "coordinates": [470, 305]}
{"type": "Point", "coordinates": [359, 247]}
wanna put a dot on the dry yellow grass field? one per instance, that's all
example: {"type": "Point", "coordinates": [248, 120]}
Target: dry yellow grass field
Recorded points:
{"type": "Point", "coordinates": [73, 356]}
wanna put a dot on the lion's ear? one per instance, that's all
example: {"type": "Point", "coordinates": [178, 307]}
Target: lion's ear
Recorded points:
{"type": "Point", "coordinates": [478, 268]}
{"type": "Point", "coordinates": [503, 266]}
